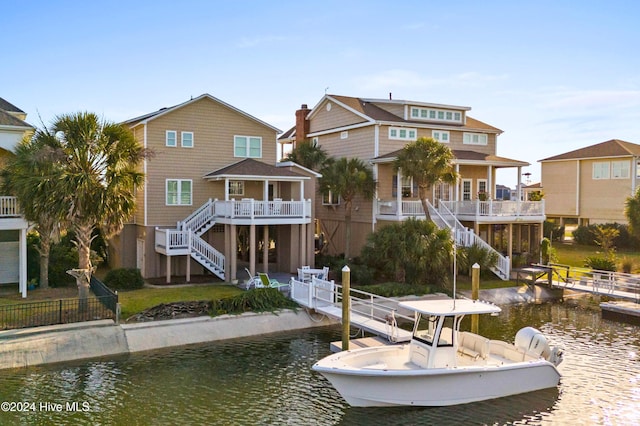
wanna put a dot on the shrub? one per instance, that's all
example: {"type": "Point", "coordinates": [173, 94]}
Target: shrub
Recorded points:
{"type": "Point", "coordinates": [626, 265]}
{"type": "Point", "coordinates": [256, 300]}
{"type": "Point", "coordinates": [550, 229]}
{"type": "Point", "coordinates": [468, 256]}
{"type": "Point", "coordinates": [124, 279]}
{"type": "Point", "coordinates": [601, 263]}
{"type": "Point", "coordinates": [587, 235]}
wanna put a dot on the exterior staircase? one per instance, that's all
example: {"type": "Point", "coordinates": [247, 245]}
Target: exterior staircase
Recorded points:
{"type": "Point", "coordinates": [465, 237]}
{"type": "Point", "coordinates": [194, 226]}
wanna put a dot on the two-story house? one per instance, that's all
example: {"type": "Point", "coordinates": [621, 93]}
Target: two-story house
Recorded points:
{"type": "Point", "coordinates": [590, 185]}
{"type": "Point", "coordinates": [213, 194]}
{"type": "Point", "coordinates": [13, 227]}
{"type": "Point", "coordinates": [374, 130]}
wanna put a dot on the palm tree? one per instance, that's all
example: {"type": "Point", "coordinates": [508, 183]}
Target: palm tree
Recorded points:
{"type": "Point", "coordinates": [100, 174]}
{"type": "Point", "coordinates": [33, 176]}
{"type": "Point", "coordinates": [347, 178]}
{"type": "Point", "coordinates": [428, 162]}
{"type": "Point", "coordinates": [307, 155]}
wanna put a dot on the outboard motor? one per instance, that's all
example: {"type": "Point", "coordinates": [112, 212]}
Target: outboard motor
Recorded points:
{"type": "Point", "coordinates": [532, 340]}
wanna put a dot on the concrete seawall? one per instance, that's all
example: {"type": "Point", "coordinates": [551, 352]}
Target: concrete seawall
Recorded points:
{"type": "Point", "coordinates": [94, 339]}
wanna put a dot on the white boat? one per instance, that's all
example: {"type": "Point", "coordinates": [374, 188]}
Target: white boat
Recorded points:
{"type": "Point", "coordinates": [442, 365]}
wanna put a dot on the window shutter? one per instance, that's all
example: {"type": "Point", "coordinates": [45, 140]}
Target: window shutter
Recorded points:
{"type": "Point", "coordinates": [394, 186]}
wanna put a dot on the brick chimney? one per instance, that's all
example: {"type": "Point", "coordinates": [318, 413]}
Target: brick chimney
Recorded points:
{"type": "Point", "coordinates": [302, 124]}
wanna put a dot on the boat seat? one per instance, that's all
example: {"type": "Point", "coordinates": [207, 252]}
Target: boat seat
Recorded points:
{"type": "Point", "coordinates": [473, 345]}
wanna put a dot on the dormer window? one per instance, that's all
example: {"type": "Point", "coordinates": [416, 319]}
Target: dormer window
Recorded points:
{"type": "Point", "coordinates": [435, 114]}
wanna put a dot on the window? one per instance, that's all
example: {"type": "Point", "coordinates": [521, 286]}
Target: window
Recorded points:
{"type": "Point", "coordinates": [402, 133]}
{"type": "Point", "coordinates": [474, 138]}
{"type": "Point", "coordinates": [436, 114]}
{"type": "Point", "coordinates": [620, 170]}
{"type": "Point", "coordinates": [236, 187]}
{"type": "Point", "coordinates": [315, 141]}
{"type": "Point", "coordinates": [441, 136]}
{"type": "Point", "coordinates": [407, 186]}
{"type": "Point", "coordinates": [466, 189]}
{"type": "Point", "coordinates": [171, 136]}
{"type": "Point", "coordinates": [601, 170]}
{"type": "Point", "coordinates": [187, 139]}
{"type": "Point", "coordinates": [330, 199]}
{"type": "Point", "coordinates": [178, 192]}
{"type": "Point", "coordinates": [247, 146]}
{"type": "Point", "coordinates": [344, 135]}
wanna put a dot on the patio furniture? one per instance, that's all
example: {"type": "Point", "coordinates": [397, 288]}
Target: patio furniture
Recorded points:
{"type": "Point", "coordinates": [252, 281]}
{"type": "Point", "coordinates": [266, 282]}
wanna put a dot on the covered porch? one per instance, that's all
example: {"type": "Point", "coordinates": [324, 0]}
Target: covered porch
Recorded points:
{"type": "Point", "coordinates": [13, 244]}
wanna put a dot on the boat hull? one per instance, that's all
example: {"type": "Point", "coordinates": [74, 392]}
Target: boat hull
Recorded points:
{"type": "Point", "coordinates": [439, 386]}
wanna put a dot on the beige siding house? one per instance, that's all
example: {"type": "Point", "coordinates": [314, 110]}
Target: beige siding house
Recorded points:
{"type": "Point", "coordinates": [215, 197]}
{"type": "Point", "coordinates": [591, 184]}
{"type": "Point", "coordinates": [374, 130]}
{"type": "Point", "coordinates": [13, 227]}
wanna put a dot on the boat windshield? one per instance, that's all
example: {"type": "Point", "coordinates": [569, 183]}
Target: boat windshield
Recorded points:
{"type": "Point", "coordinates": [427, 326]}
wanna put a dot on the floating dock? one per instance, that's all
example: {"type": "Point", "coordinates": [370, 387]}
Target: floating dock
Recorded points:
{"type": "Point", "coordinates": [623, 311]}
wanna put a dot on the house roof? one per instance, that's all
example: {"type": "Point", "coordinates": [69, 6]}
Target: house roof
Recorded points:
{"type": "Point", "coordinates": [464, 157]}
{"type": "Point", "coordinates": [610, 148]}
{"type": "Point", "coordinates": [7, 119]}
{"type": "Point", "coordinates": [250, 168]}
{"type": "Point", "coordinates": [369, 110]}
{"type": "Point", "coordinates": [9, 107]}
{"type": "Point", "coordinates": [8, 116]}
{"type": "Point", "coordinates": [162, 111]}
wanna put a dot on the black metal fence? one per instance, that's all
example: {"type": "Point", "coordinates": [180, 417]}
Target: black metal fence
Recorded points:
{"type": "Point", "coordinates": [63, 311]}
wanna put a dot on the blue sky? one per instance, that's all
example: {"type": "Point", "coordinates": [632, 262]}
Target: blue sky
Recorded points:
{"type": "Point", "coordinates": [553, 75]}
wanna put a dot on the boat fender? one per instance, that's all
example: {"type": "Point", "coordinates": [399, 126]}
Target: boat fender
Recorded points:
{"type": "Point", "coordinates": [532, 340]}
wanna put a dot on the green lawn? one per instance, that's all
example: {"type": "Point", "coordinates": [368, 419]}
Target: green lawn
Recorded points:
{"type": "Point", "coordinates": [136, 301]}
{"type": "Point", "coordinates": [574, 254]}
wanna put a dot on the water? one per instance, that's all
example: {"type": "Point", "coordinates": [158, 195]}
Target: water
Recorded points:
{"type": "Point", "coordinates": [268, 380]}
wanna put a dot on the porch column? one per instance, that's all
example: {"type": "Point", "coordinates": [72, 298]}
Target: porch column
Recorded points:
{"type": "Point", "coordinates": [252, 249]}
{"type": "Point", "coordinates": [227, 251]}
{"type": "Point", "coordinates": [457, 195]}
{"type": "Point", "coordinates": [399, 193]}
{"type": "Point", "coordinates": [302, 190]}
{"type": "Point", "coordinates": [519, 187]}
{"type": "Point", "coordinates": [234, 253]}
{"type": "Point", "coordinates": [226, 189]}
{"type": "Point", "coordinates": [490, 189]}
{"type": "Point", "coordinates": [23, 262]}
{"type": "Point", "coordinates": [265, 248]}
{"type": "Point", "coordinates": [265, 192]}
{"type": "Point", "coordinates": [188, 272]}
{"type": "Point", "coordinates": [168, 271]}
{"type": "Point", "coordinates": [510, 242]}
{"type": "Point", "coordinates": [303, 245]}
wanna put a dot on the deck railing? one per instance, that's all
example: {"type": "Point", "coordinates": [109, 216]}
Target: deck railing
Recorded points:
{"type": "Point", "coordinates": [250, 208]}
{"type": "Point", "coordinates": [466, 208]}
{"type": "Point", "coordinates": [9, 206]}
{"type": "Point", "coordinates": [495, 208]}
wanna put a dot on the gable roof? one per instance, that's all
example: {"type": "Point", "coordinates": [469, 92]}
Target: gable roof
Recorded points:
{"type": "Point", "coordinates": [143, 119]}
{"type": "Point", "coordinates": [9, 107]}
{"type": "Point", "coordinates": [250, 168]}
{"type": "Point", "coordinates": [7, 119]}
{"type": "Point", "coordinates": [610, 148]}
{"type": "Point", "coordinates": [463, 157]}
{"type": "Point", "coordinates": [370, 112]}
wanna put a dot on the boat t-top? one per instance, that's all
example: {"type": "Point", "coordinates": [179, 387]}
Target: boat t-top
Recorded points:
{"type": "Point", "coordinates": [442, 365]}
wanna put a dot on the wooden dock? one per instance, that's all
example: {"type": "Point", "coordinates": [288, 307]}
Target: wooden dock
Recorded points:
{"type": "Point", "coordinates": [364, 342]}
{"type": "Point", "coordinates": [621, 310]}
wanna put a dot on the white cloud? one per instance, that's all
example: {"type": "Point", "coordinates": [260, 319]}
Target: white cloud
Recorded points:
{"type": "Point", "coordinates": [401, 78]}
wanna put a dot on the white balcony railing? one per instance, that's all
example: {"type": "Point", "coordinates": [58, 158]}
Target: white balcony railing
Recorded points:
{"type": "Point", "coordinates": [495, 208]}
{"type": "Point", "coordinates": [9, 207]}
{"type": "Point", "coordinates": [475, 208]}
{"type": "Point", "coordinates": [250, 208]}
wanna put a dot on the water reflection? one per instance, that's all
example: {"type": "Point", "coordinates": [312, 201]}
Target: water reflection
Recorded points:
{"type": "Point", "coordinates": [268, 380]}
